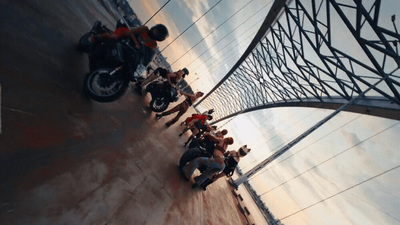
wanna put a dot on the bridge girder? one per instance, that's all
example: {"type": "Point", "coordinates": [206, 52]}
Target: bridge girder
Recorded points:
{"type": "Point", "coordinates": [318, 53]}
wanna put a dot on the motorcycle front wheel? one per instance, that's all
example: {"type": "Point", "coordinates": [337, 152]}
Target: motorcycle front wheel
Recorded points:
{"type": "Point", "coordinates": [100, 86]}
{"type": "Point", "coordinates": [159, 104]}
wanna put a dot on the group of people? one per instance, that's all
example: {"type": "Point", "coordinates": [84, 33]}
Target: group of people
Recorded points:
{"type": "Point", "coordinates": [216, 140]}
{"type": "Point", "coordinates": [222, 163]}
{"type": "Point", "coordinates": [197, 124]}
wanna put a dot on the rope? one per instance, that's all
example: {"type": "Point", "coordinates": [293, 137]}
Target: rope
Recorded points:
{"type": "Point", "coordinates": [342, 191]}
{"type": "Point", "coordinates": [157, 12]}
{"type": "Point", "coordinates": [190, 26]}
{"type": "Point", "coordinates": [332, 157]}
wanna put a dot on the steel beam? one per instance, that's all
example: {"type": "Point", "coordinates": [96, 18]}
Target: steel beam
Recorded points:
{"type": "Point", "coordinates": [298, 58]}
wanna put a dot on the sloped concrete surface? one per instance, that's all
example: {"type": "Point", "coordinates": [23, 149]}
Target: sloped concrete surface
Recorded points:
{"type": "Point", "coordinates": [65, 159]}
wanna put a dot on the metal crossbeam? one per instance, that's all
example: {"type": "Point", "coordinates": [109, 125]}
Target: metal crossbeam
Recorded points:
{"type": "Point", "coordinates": [317, 53]}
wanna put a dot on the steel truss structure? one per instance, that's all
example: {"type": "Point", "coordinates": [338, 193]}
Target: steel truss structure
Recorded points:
{"type": "Point", "coordinates": [315, 53]}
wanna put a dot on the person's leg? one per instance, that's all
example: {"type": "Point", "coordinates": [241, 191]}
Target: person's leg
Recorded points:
{"type": "Point", "coordinates": [184, 131]}
{"type": "Point", "coordinates": [190, 125]}
{"type": "Point", "coordinates": [189, 139]}
{"type": "Point", "coordinates": [212, 168]}
{"type": "Point", "coordinates": [195, 131]}
{"type": "Point", "coordinates": [182, 109]}
{"type": "Point", "coordinates": [189, 168]}
{"type": "Point", "coordinates": [165, 113]}
{"type": "Point", "coordinates": [206, 183]}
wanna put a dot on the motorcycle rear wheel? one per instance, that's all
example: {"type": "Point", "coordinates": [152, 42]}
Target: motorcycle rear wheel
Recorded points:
{"type": "Point", "coordinates": [159, 104]}
{"type": "Point", "coordinates": [99, 87]}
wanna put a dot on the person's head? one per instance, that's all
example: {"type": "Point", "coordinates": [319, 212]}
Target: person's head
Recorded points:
{"type": "Point", "coordinates": [199, 94]}
{"type": "Point", "coordinates": [213, 127]}
{"type": "Point", "coordinates": [228, 140]}
{"type": "Point", "coordinates": [209, 117]}
{"type": "Point", "coordinates": [158, 32]}
{"type": "Point", "coordinates": [224, 132]}
{"type": "Point", "coordinates": [243, 150]}
{"type": "Point", "coordinates": [185, 72]}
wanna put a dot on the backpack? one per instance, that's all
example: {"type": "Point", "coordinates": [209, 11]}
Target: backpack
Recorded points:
{"type": "Point", "coordinates": [230, 166]}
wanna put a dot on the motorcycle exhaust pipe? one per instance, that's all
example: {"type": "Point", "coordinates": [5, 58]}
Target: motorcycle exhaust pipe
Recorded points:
{"type": "Point", "coordinates": [115, 70]}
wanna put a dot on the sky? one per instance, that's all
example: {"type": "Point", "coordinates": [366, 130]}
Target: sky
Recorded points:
{"type": "Point", "coordinates": [346, 172]}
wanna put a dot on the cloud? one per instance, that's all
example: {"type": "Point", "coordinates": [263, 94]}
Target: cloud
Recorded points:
{"type": "Point", "coordinates": [176, 48]}
{"type": "Point", "coordinates": [208, 23]}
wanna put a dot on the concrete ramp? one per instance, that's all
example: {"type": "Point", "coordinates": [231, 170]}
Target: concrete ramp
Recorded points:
{"type": "Point", "coordinates": [65, 159]}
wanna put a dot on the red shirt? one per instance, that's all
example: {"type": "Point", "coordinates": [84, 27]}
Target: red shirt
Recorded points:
{"type": "Point", "coordinates": [120, 30]}
{"type": "Point", "coordinates": [153, 43]}
{"type": "Point", "coordinates": [200, 117]}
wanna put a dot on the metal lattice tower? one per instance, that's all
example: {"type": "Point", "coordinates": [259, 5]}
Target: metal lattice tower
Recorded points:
{"type": "Point", "coordinates": [315, 53]}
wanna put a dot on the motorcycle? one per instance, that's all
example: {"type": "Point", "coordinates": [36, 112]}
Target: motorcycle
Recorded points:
{"type": "Point", "coordinates": [112, 64]}
{"type": "Point", "coordinates": [201, 151]}
{"type": "Point", "coordinates": [162, 94]}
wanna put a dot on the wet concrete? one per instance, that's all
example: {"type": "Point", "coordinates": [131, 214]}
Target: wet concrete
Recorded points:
{"type": "Point", "coordinates": [65, 159]}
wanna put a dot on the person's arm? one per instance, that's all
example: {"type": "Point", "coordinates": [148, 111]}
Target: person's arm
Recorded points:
{"type": "Point", "coordinates": [216, 139]}
{"type": "Point", "coordinates": [187, 94]}
{"type": "Point", "coordinates": [150, 77]}
{"type": "Point", "coordinates": [169, 75]}
{"type": "Point", "coordinates": [178, 77]}
{"type": "Point", "coordinates": [132, 33]}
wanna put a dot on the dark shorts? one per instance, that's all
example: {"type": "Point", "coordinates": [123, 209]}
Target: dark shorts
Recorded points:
{"type": "Point", "coordinates": [189, 101]}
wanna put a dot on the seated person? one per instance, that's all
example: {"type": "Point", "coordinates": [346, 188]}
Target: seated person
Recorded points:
{"type": "Point", "coordinates": [214, 164]}
{"type": "Point", "coordinates": [231, 161]}
{"type": "Point", "coordinates": [139, 35]}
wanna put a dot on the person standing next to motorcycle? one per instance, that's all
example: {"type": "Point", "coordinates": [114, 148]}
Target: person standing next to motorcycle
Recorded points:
{"type": "Point", "coordinates": [173, 78]}
{"type": "Point", "coordinates": [148, 37]}
{"type": "Point", "coordinates": [180, 108]}
{"type": "Point", "coordinates": [214, 165]}
{"type": "Point", "coordinates": [162, 72]}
